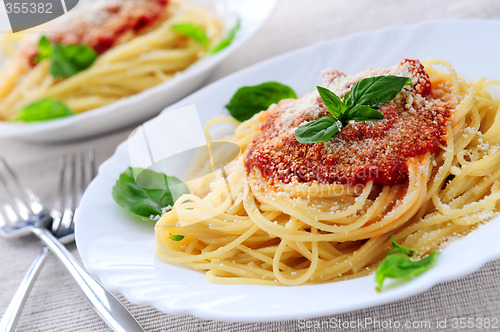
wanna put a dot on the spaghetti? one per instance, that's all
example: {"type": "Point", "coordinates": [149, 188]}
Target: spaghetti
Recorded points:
{"type": "Point", "coordinates": [138, 51]}
{"type": "Point", "coordinates": [287, 222]}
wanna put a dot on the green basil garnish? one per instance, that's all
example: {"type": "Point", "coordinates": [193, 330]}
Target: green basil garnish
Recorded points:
{"type": "Point", "coordinates": [320, 130]}
{"type": "Point", "coordinates": [332, 102]}
{"type": "Point", "coordinates": [199, 35]}
{"type": "Point", "coordinates": [249, 100]}
{"type": "Point", "coordinates": [362, 113]}
{"type": "Point", "coordinates": [398, 264]}
{"type": "Point", "coordinates": [176, 237]}
{"type": "Point", "coordinates": [193, 31]}
{"type": "Point", "coordinates": [147, 193]}
{"type": "Point", "coordinates": [68, 60]}
{"type": "Point", "coordinates": [42, 110]}
{"type": "Point", "coordinates": [227, 40]}
{"type": "Point", "coordinates": [358, 105]}
{"type": "Point", "coordinates": [375, 91]}
{"type": "Point", "coordinates": [399, 249]}
{"type": "Point", "coordinates": [65, 60]}
{"type": "Point", "coordinates": [44, 49]}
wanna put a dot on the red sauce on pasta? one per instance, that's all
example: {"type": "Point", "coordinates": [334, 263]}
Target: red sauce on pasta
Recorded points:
{"type": "Point", "coordinates": [103, 25]}
{"type": "Point", "coordinates": [415, 123]}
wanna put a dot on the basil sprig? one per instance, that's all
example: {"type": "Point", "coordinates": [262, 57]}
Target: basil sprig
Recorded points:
{"type": "Point", "coordinates": [249, 100]}
{"type": "Point", "coordinates": [399, 265]}
{"type": "Point", "coordinates": [65, 60]}
{"type": "Point", "coordinates": [198, 34]}
{"type": "Point", "coordinates": [42, 110]}
{"type": "Point", "coordinates": [147, 193]}
{"type": "Point", "coordinates": [358, 105]}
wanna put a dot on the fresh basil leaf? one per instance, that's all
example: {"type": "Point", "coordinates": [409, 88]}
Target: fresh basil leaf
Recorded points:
{"type": "Point", "coordinates": [193, 31]}
{"type": "Point", "coordinates": [399, 249]}
{"type": "Point", "coordinates": [176, 237]}
{"type": "Point", "coordinates": [375, 91]}
{"type": "Point", "coordinates": [145, 194]}
{"type": "Point", "coordinates": [44, 49]}
{"type": "Point", "coordinates": [67, 60]}
{"type": "Point", "coordinates": [402, 267]}
{"type": "Point", "coordinates": [332, 102]}
{"type": "Point", "coordinates": [357, 106]}
{"type": "Point", "coordinates": [249, 100]}
{"type": "Point", "coordinates": [44, 109]}
{"type": "Point", "coordinates": [317, 131]}
{"type": "Point", "coordinates": [227, 40]}
{"type": "Point", "coordinates": [362, 113]}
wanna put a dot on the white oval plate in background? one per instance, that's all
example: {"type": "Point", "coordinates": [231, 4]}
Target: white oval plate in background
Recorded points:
{"type": "Point", "coordinates": [120, 249]}
{"type": "Point", "coordinates": [148, 103]}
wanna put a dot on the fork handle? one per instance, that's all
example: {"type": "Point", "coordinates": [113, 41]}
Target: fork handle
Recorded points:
{"type": "Point", "coordinates": [106, 305]}
{"type": "Point", "coordinates": [11, 315]}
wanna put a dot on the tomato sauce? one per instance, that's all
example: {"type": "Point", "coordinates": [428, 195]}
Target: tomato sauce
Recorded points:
{"type": "Point", "coordinates": [415, 124]}
{"type": "Point", "coordinates": [103, 25]}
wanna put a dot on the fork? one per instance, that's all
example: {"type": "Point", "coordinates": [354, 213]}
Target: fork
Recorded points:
{"type": "Point", "coordinates": [23, 212]}
{"type": "Point", "coordinates": [64, 231]}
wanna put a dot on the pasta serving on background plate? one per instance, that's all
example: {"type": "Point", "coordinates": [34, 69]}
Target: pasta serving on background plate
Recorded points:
{"type": "Point", "coordinates": [100, 53]}
{"type": "Point", "coordinates": [315, 198]}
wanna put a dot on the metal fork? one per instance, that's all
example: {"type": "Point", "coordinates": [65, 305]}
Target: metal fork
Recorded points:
{"type": "Point", "coordinates": [23, 212]}
{"type": "Point", "coordinates": [62, 228]}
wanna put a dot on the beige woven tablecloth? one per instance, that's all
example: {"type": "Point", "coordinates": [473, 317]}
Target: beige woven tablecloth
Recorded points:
{"type": "Point", "coordinates": [56, 304]}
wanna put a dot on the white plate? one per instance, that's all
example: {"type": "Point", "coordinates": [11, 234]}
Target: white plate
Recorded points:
{"type": "Point", "coordinates": [146, 104]}
{"type": "Point", "coordinates": [120, 250]}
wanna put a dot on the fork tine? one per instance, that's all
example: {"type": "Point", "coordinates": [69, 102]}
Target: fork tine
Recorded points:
{"type": "Point", "coordinates": [4, 221]}
{"type": "Point", "coordinates": [92, 163]}
{"type": "Point", "coordinates": [70, 194]}
{"type": "Point", "coordinates": [85, 180]}
{"type": "Point", "coordinates": [92, 171]}
{"type": "Point", "coordinates": [70, 201]}
{"type": "Point", "coordinates": [82, 177]}
{"type": "Point", "coordinates": [72, 185]}
{"type": "Point", "coordinates": [26, 203]}
{"type": "Point", "coordinates": [59, 201]}
{"type": "Point", "coordinates": [35, 205]}
{"type": "Point", "coordinates": [9, 216]}
{"type": "Point", "coordinates": [3, 202]}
